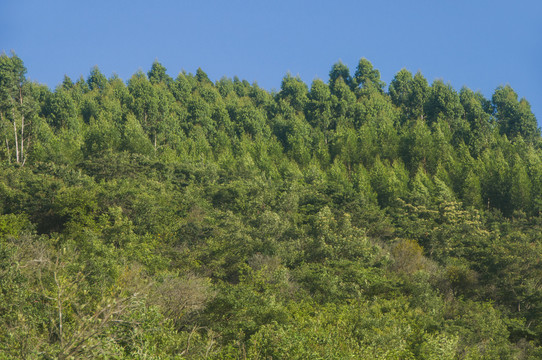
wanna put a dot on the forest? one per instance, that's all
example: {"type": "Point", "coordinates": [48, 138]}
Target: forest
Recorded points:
{"type": "Point", "coordinates": [181, 218]}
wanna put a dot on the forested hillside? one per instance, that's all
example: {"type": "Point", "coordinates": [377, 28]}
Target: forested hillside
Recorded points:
{"type": "Point", "coordinates": [163, 218]}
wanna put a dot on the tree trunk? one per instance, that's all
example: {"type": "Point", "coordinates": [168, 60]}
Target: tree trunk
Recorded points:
{"type": "Point", "coordinates": [9, 155]}
{"type": "Point", "coordinates": [16, 142]}
{"type": "Point", "coordinates": [59, 308]}
{"type": "Point", "coordinates": [22, 122]}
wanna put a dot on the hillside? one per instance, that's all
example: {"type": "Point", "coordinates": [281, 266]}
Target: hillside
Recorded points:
{"type": "Point", "coordinates": [186, 219]}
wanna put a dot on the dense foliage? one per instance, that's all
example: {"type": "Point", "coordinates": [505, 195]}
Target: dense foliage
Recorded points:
{"type": "Point", "coordinates": [181, 218]}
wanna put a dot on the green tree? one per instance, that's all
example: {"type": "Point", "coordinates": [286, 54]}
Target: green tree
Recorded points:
{"type": "Point", "coordinates": [343, 100]}
{"type": "Point", "coordinates": [96, 80]}
{"type": "Point", "coordinates": [339, 71]}
{"type": "Point", "coordinates": [16, 105]}
{"type": "Point", "coordinates": [62, 110]}
{"type": "Point", "coordinates": [514, 117]}
{"type": "Point", "coordinates": [410, 93]}
{"type": "Point", "coordinates": [157, 74]}
{"type": "Point", "coordinates": [443, 102]}
{"type": "Point", "coordinates": [318, 110]}
{"type": "Point", "coordinates": [472, 191]}
{"type": "Point", "coordinates": [134, 139]}
{"type": "Point", "coordinates": [399, 88]}
{"type": "Point", "coordinates": [151, 104]}
{"type": "Point", "coordinates": [67, 83]}
{"type": "Point", "coordinates": [202, 78]}
{"type": "Point", "coordinates": [367, 77]}
{"type": "Point", "coordinates": [520, 187]}
{"type": "Point", "coordinates": [294, 91]}
{"type": "Point", "coordinates": [479, 120]}
{"type": "Point", "coordinates": [418, 96]}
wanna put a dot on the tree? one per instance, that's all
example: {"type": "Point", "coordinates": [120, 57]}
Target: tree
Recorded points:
{"type": "Point", "coordinates": [339, 70]}
{"type": "Point", "coordinates": [479, 120]}
{"type": "Point", "coordinates": [520, 187]}
{"type": "Point", "coordinates": [410, 93]}
{"type": "Point", "coordinates": [389, 181]}
{"type": "Point", "coordinates": [472, 191]}
{"type": "Point", "coordinates": [318, 109]}
{"type": "Point", "coordinates": [494, 180]}
{"type": "Point", "coordinates": [295, 91]}
{"type": "Point", "coordinates": [61, 109]}
{"type": "Point", "coordinates": [15, 105]}
{"type": "Point", "coordinates": [443, 102]}
{"type": "Point", "coordinates": [419, 92]}
{"type": "Point", "coordinates": [148, 107]}
{"type": "Point", "coordinates": [343, 100]}
{"type": "Point", "coordinates": [202, 77]}
{"type": "Point", "coordinates": [422, 188]}
{"type": "Point", "coordinates": [134, 139]}
{"type": "Point", "coordinates": [399, 89]}
{"type": "Point", "coordinates": [157, 74]}
{"type": "Point", "coordinates": [67, 83]}
{"type": "Point", "coordinates": [514, 117]}
{"type": "Point", "coordinates": [96, 80]}
{"type": "Point", "coordinates": [367, 77]}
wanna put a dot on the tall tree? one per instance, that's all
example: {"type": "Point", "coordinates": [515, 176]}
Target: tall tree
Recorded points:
{"type": "Point", "coordinates": [479, 120]}
{"type": "Point", "coordinates": [399, 89]}
{"type": "Point", "coordinates": [514, 117]}
{"type": "Point", "coordinates": [367, 77]}
{"type": "Point", "coordinates": [96, 80]}
{"type": "Point", "coordinates": [419, 92]}
{"type": "Point", "coordinates": [202, 77]}
{"type": "Point", "coordinates": [410, 93]}
{"type": "Point", "coordinates": [295, 91]}
{"type": "Point", "coordinates": [15, 105]}
{"type": "Point", "coordinates": [339, 70]}
{"type": "Point", "coordinates": [157, 74]}
{"type": "Point", "coordinates": [443, 102]}
{"type": "Point", "coordinates": [318, 110]}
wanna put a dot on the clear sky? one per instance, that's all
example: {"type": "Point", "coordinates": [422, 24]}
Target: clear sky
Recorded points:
{"type": "Point", "coordinates": [480, 44]}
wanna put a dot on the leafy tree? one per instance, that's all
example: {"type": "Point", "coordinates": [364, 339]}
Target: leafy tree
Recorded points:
{"type": "Point", "coordinates": [294, 91]}
{"type": "Point", "coordinates": [514, 117]}
{"type": "Point", "coordinates": [368, 78]}
{"type": "Point", "coordinates": [443, 102]}
{"type": "Point", "coordinates": [67, 83]}
{"type": "Point", "coordinates": [399, 88]}
{"type": "Point", "coordinates": [418, 96]}
{"type": "Point", "coordinates": [96, 80]}
{"type": "Point", "coordinates": [520, 189]}
{"type": "Point", "coordinates": [339, 71]}
{"type": "Point", "coordinates": [62, 110]}
{"type": "Point", "coordinates": [343, 102]}
{"type": "Point", "coordinates": [479, 120]}
{"type": "Point", "coordinates": [472, 191]}
{"type": "Point", "coordinates": [157, 74]}
{"type": "Point", "coordinates": [15, 105]}
{"type": "Point", "coordinates": [202, 78]}
{"type": "Point", "coordinates": [135, 139]}
{"type": "Point", "coordinates": [318, 109]}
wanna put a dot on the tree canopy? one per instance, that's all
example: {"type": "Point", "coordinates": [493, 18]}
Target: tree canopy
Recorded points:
{"type": "Point", "coordinates": [177, 217]}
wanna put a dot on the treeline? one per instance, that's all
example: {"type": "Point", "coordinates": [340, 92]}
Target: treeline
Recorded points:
{"type": "Point", "coordinates": [181, 218]}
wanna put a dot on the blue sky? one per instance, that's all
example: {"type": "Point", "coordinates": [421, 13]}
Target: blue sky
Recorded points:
{"type": "Point", "coordinates": [480, 44]}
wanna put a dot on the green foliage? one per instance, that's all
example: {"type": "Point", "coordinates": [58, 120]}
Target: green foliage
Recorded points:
{"type": "Point", "coordinates": [366, 77]}
{"type": "Point", "coordinates": [96, 80]}
{"type": "Point", "coordinates": [294, 91]}
{"type": "Point", "coordinates": [514, 117]}
{"type": "Point", "coordinates": [339, 71]}
{"type": "Point", "coordinates": [187, 219]}
{"type": "Point", "coordinates": [157, 74]}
